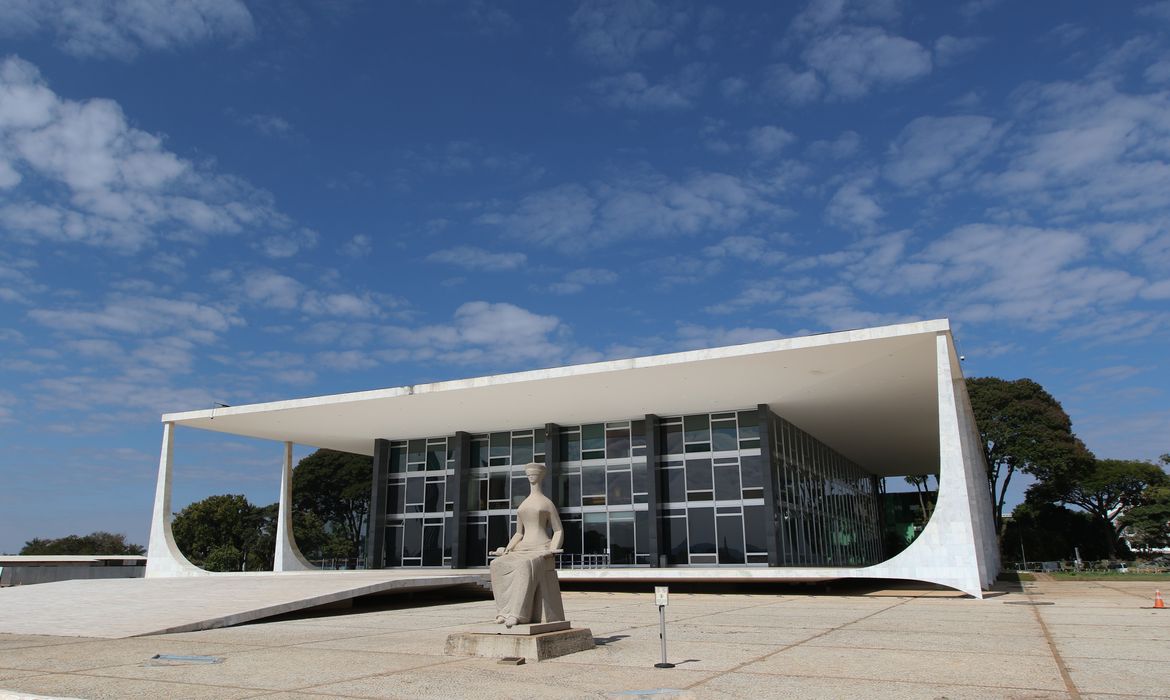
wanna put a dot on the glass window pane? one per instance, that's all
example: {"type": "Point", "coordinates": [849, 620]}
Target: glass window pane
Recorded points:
{"type": "Point", "coordinates": [642, 541]}
{"type": "Point", "coordinates": [701, 528]}
{"type": "Point", "coordinates": [638, 433]}
{"type": "Point", "coordinates": [501, 444]}
{"type": "Point", "coordinates": [617, 443]}
{"type": "Point", "coordinates": [394, 546]}
{"type": "Point", "coordinates": [755, 528]}
{"type": "Point", "coordinates": [640, 480]}
{"type": "Point", "coordinates": [412, 538]}
{"type": "Point", "coordinates": [433, 545]}
{"type": "Point", "coordinates": [498, 531]}
{"type": "Point", "coordinates": [498, 489]}
{"type": "Point", "coordinates": [621, 541]}
{"type": "Point", "coordinates": [434, 497]}
{"type": "Point", "coordinates": [749, 426]}
{"type": "Point", "coordinates": [593, 528]}
{"type": "Point", "coordinates": [397, 460]}
{"type": "Point", "coordinates": [751, 471]}
{"type": "Point", "coordinates": [593, 437]}
{"type": "Point", "coordinates": [592, 480]}
{"type": "Point", "coordinates": [723, 436]}
{"type": "Point", "coordinates": [479, 457]}
{"type": "Point", "coordinates": [418, 451]}
{"type": "Point", "coordinates": [476, 545]}
{"type": "Point", "coordinates": [676, 491]}
{"type": "Point", "coordinates": [396, 499]}
{"type": "Point", "coordinates": [730, 539]}
{"type": "Point", "coordinates": [572, 542]}
{"type": "Point", "coordinates": [520, 490]}
{"type": "Point", "coordinates": [727, 482]}
{"type": "Point", "coordinates": [619, 492]}
{"type": "Point", "coordinates": [414, 489]}
{"type": "Point", "coordinates": [676, 535]}
{"type": "Point", "coordinates": [571, 446]}
{"type": "Point", "coordinates": [521, 451]}
{"type": "Point", "coordinates": [436, 457]}
{"type": "Point", "coordinates": [698, 474]}
{"type": "Point", "coordinates": [672, 439]}
{"type": "Point", "coordinates": [568, 490]}
{"type": "Point", "coordinates": [697, 428]}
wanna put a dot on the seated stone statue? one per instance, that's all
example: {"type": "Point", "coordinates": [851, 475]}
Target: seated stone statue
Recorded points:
{"type": "Point", "coordinates": [523, 574]}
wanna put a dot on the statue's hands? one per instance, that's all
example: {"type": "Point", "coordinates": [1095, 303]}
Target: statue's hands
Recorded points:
{"type": "Point", "coordinates": [499, 552]}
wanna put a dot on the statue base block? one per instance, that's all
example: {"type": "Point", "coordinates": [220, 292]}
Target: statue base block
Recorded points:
{"type": "Point", "coordinates": [526, 629]}
{"type": "Point", "coordinates": [534, 647]}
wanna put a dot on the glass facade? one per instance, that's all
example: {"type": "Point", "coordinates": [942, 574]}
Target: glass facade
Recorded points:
{"type": "Point", "coordinates": [719, 494]}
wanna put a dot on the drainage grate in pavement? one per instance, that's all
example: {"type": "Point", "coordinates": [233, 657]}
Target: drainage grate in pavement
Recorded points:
{"type": "Point", "coordinates": [1028, 602]}
{"type": "Point", "coordinates": [181, 660]}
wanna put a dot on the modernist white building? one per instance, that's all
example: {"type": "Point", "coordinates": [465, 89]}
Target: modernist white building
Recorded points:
{"type": "Point", "coordinates": [757, 461]}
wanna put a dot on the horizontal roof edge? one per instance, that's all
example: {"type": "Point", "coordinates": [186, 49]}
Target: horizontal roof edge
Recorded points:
{"type": "Point", "coordinates": [821, 339]}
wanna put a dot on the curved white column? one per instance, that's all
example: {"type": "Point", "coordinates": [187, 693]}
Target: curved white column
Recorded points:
{"type": "Point", "coordinates": [957, 547]}
{"type": "Point", "coordinates": [288, 555]}
{"type": "Point", "coordinates": [163, 558]}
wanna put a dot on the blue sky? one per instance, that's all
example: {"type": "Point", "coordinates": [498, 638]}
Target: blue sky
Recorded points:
{"type": "Point", "coordinates": [240, 201]}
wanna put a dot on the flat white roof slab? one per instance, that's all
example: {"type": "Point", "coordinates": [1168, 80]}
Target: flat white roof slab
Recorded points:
{"type": "Point", "coordinates": [869, 393]}
{"type": "Point", "coordinates": [117, 608]}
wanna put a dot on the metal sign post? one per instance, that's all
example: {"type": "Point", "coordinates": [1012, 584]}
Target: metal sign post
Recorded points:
{"type": "Point", "coordinates": [660, 599]}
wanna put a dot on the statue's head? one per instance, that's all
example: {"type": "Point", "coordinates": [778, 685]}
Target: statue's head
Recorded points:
{"type": "Point", "coordinates": [535, 471]}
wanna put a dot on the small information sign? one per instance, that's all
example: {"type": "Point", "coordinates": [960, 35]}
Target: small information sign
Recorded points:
{"type": "Point", "coordinates": [660, 593]}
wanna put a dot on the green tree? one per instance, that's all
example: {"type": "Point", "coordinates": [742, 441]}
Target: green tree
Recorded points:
{"type": "Point", "coordinates": [1148, 523]}
{"type": "Point", "coordinates": [1023, 429]}
{"type": "Point", "coordinates": [226, 533]}
{"type": "Point", "coordinates": [335, 487]}
{"type": "Point", "coordinates": [1106, 492]}
{"type": "Point", "coordinates": [1045, 531]}
{"type": "Point", "coordinates": [100, 542]}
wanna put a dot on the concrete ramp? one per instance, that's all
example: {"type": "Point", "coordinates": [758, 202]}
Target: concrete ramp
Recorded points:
{"type": "Point", "coordinates": [118, 608]}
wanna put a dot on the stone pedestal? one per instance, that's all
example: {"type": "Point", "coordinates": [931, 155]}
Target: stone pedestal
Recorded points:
{"type": "Point", "coordinates": [537, 646]}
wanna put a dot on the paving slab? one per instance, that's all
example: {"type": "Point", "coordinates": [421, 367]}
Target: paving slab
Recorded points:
{"type": "Point", "coordinates": [726, 646]}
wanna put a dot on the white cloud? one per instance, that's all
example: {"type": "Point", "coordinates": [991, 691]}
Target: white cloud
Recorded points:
{"type": "Point", "coordinates": [577, 280]}
{"type": "Point", "coordinates": [855, 60]}
{"type": "Point", "coordinates": [769, 140]}
{"type": "Point", "coordinates": [286, 245]}
{"type": "Point", "coordinates": [142, 316]}
{"type": "Point", "coordinates": [634, 91]}
{"type": "Point", "coordinates": [360, 246]}
{"type": "Point", "coordinates": [266, 124]}
{"type": "Point", "coordinates": [846, 145]}
{"type": "Point", "coordinates": [693, 336]}
{"type": "Point", "coordinates": [949, 49]}
{"type": "Point", "coordinates": [854, 207]}
{"type": "Point", "coordinates": [124, 28]}
{"type": "Point", "coordinates": [750, 248]}
{"type": "Point", "coordinates": [272, 289]}
{"type": "Point", "coordinates": [111, 185]}
{"type": "Point", "coordinates": [614, 33]}
{"type": "Point", "coordinates": [473, 258]}
{"type": "Point", "coordinates": [647, 205]}
{"type": "Point", "coordinates": [939, 150]}
{"type": "Point", "coordinates": [341, 304]}
{"type": "Point", "coordinates": [781, 82]}
{"type": "Point", "coordinates": [482, 333]}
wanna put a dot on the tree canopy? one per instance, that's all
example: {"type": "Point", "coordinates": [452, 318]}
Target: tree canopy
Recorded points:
{"type": "Point", "coordinates": [227, 533]}
{"type": "Point", "coordinates": [1106, 491]}
{"type": "Point", "coordinates": [1024, 429]}
{"type": "Point", "coordinates": [100, 542]}
{"type": "Point", "coordinates": [335, 488]}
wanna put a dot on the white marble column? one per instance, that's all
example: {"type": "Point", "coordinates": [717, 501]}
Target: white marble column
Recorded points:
{"type": "Point", "coordinates": [163, 558]}
{"type": "Point", "coordinates": [288, 556]}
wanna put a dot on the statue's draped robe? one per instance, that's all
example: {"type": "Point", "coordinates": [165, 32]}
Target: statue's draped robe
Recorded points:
{"type": "Point", "coordinates": [517, 578]}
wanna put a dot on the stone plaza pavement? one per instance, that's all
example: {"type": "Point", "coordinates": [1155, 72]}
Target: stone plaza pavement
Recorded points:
{"type": "Point", "coordinates": [1095, 640]}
